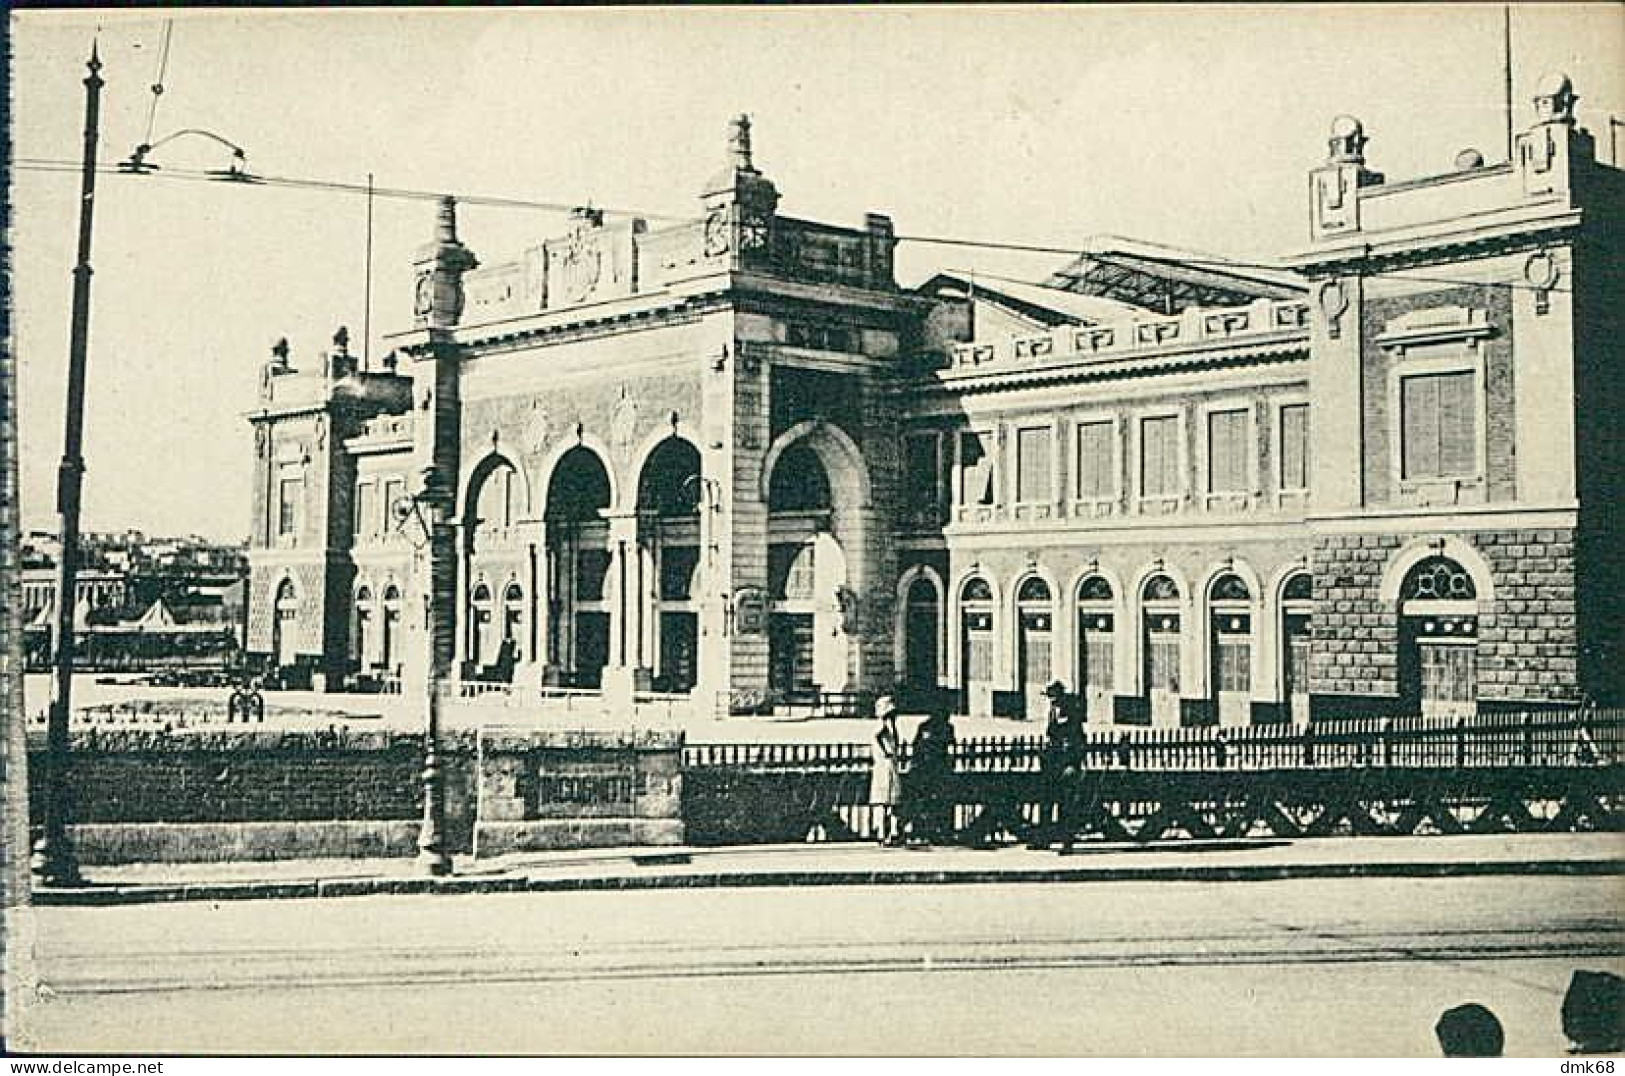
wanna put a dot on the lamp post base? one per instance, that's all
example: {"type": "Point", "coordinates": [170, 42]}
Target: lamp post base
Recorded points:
{"type": "Point", "coordinates": [435, 863]}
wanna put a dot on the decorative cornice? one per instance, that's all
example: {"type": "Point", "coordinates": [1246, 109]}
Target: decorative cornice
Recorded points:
{"type": "Point", "coordinates": [1288, 348]}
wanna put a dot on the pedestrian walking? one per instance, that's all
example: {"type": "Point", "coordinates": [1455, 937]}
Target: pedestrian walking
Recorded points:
{"type": "Point", "coordinates": [886, 775]}
{"type": "Point", "coordinates": [1060, 768]}
{"type": "Point", "coordinates": [929, 783]}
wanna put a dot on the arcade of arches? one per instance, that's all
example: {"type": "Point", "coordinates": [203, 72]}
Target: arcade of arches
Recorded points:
{"type": "Point", "coordinates": [1229, 652]}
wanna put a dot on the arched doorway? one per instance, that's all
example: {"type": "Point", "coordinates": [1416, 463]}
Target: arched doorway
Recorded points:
{"type": "Point", "coordinates": [1297, 635]}
{"type": "Point", "coordinates": [284, 625]}
{"type": "Point", "coordinates": [1230, 649]}
{"type": "Point", "coordinates": [578, 555]}
{"type": "Point", "coordinates": [1096, 630]}
{"type": "Point", "coordinates": [1438, 639]}
{"type": "Point", "coordinates": [391, 635]}
{"type": "Point", "coordinates": [1035, 616]}
{"type": "Point", "coordinates": [669, 542]}
{"type": "Point", "coordinates": [806, 575]}
{"type": "Point", "coordinates": [976, 645]}
{"type": "Point", "coordinates": [922, 626]}
{"type": "Point", "coordinates": [1160, 613]}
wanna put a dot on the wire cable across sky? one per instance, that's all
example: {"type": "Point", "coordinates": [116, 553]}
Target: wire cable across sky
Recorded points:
{"type": "Point", "coordinates": [244, 178]}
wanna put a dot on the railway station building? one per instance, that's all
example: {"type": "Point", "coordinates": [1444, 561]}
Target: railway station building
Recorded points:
{"type": "Point", "coordinates": [733, 461]}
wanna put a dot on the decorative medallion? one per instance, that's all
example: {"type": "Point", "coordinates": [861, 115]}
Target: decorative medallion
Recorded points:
{"type": "Point", "coordinates": [1541, 270]}
{"type": "Point", "coordinates": [1334, 301]}
{"type": "Point", "coordinates": [717, 240]}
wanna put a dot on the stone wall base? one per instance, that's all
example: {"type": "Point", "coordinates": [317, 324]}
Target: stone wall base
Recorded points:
{"type": "Point", "coordinates": [108, 843]}
{"type": "Point", "coordinates": [552, 834]}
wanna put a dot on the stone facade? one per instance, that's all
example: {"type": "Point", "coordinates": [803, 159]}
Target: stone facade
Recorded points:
{"type": "Point", "coordinates": [731, 460]}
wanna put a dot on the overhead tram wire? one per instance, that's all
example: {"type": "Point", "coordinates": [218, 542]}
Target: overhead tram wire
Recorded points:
{"type": "Point", "coordinates": [252, 179]}
{"type": "Point", "coordinates": [158, 83]}
{"type": "Point", "coordinates": [42, 164]}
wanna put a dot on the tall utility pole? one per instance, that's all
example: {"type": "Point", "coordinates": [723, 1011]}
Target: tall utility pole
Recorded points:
{"type": "Point", "coordinates": [1506, 74]}
{"type": "Point", "coordinates": [54, 862]}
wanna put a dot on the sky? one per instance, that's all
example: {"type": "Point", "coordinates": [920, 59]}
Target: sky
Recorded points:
{"type": "Point", "coordinates": [1193, 126]}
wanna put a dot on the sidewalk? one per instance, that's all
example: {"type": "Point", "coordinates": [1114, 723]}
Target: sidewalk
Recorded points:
{"type": "Point", "coordinates": [862, 864]}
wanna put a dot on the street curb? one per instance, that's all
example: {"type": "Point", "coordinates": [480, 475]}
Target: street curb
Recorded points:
{"type": "Point", "coordinates": [356, 887]}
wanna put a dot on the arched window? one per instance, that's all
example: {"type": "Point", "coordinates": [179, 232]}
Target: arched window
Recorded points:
{"type": "Point", "coordinates": [976, 589]}
{"type": "Point", "coordinates": [579, 487]}
{"type": "Point", "coordinates": [1096, 638]}
{"type": "Point", "coordinates": [669, 484]}
{"type": "Point", "coordinates": [1438, 579]}
{"type": "Point", "coordinates": [1159, 597]}
{"type": "Point", "coordinates": [799, 482]}
{"type": "Point", "coordinates": [922, 623]}
{"type": "Point", "coordinates": [285, 614]}
{"type": "Point", "coordinates": [1297, 636]}
{"type": "Point", "coordinates": [976, 630]}
{"type": "Point", "coordinates": [1034, 618]}
{"type": "Point", "coordinates": [1160, 588]}
{"type": "Point", "coordinates": [1438, 628]}
{"type": "Point", "coordinates": [1230, 588]}
{"type": "Point", "coordinates": [1230, 638]}
{"type": "Point", "coordinates": [1034, 589]}
{"type": "Point", "coordinates": [1299, 588]}
{"type": "Point", "coordinates": [1095, 588]}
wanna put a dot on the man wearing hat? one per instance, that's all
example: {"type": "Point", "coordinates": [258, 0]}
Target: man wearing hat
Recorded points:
{"type": "Point", "coordinates": [1061, 769]}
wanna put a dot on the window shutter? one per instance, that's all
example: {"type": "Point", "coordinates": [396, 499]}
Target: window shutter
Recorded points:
{"type": "Point", "coordinates": [1420, 414]}
{"type": "Point", "coordinates": [1095, 460]}
{"type": "Point", "coordinates": [1457, 428]}
{"type": "Point", "coordinates": [1295, 447]}
{"type": "Point", "coordinates": [1033, 464]}
{"type": "Point", "coordinates": [1227, 452]}
{"type": "Point", "coordinates": [1440, 428]}
{"type": "Point", "coordinates": [1159, 456]}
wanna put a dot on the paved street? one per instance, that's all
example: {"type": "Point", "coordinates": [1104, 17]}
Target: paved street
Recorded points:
{"type": "Point", "coordinates": [1358, 967]}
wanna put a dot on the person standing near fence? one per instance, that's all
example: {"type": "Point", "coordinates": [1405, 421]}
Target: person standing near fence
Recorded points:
{"type": "Point", "coordinates": [929, 784]}
{"type": "Point", "coordinates": [886, 775]}
{"type": "Point", "coordinates": [1060, 770]}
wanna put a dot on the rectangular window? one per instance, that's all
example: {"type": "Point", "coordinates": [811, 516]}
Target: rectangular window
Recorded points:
{"type": "Point", "coordinates": [975, 469]}
{"type": "Point", "coordinates": [1159, 456]}
{"type": "Point", "coordinates": [1227, 455]}
{"type": "Point", "coordinates": [1097, 462]}
{"type": "Point", "coordinates": [1438, 431]}
{"type": "Point", "coordinates": [366, 509]}
{"type": "Point", "coordinates": [290, 490]}
{"type": "Point", "coordinates": [920, 481]}
{"type": "Point", "coordinates": [1033, 464]}
{"type": "Point", "coordinates": [1295, 446]}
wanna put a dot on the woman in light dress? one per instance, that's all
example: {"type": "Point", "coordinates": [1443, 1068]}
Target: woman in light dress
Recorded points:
{"type": "Point", "coordinates": [886, 776]}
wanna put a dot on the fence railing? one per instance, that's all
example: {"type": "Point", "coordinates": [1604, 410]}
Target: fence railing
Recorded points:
{"type": "Point", "coordinates": [1491, 773]}
{"type": "Point", "coordinates": [1546, 739]}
